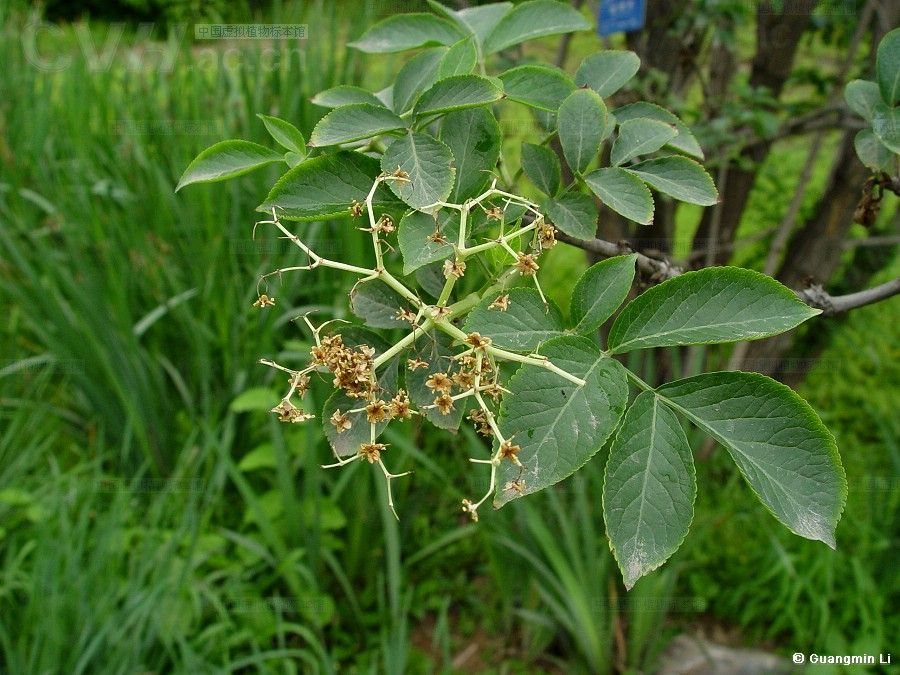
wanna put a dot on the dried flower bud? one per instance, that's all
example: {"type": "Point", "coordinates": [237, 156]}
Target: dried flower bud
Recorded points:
{"type": "Point", "coordinates": [478, 341]}
{"type": "Point", "coordinates": [494, 390]}
{"type": "Point", "coordinates": [287, 412]}
{"type": "Point", "coordinates": [405, 315]}
{"type": "Point", "coordinates": [377, 411]}
{"type": "Point", "coordinates": [400, 405]}
{"type": "Point", "coordinates": [454, 268]}
{"type": "Point", "coordinates": [415, 364]}
{"type": "Point", "coordinates": [300, 382]}
{"type": "Point", "coordinates": [264, 301]}
{"type": "Point", "coordinates": [547, 235]}
{"type": "Point", "coordinates": [385, 224]}
{"type": "Point", "coordinates": [436, 237]}
{"type": "Point", "coordinates": [501, 303]}
{"type": "Point", "coordinates": [464, 379]}
{"type": "Point", "coordinates": [444, 403]}
{"type": "Point", "coordinates": [469, 507]}
{"type": "Point", "coordinates": [340, 421]}
{"type": "Point", "coordinates": [494, 213]}
{"type": "Point", "coordinates": [372, 451]}
{"type": "Point", "coordinates": [508, 450]}
{"type": "Point", "coordinates": [527, 265]}
{"type": "Point", "coordinates": [439, 382]}
{"type": "Point", "coordinates": [517, 485]}
{"type": "Point", "coordinates": [356, 209]}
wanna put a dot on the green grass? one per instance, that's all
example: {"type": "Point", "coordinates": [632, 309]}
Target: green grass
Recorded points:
{"type": "Point", "coordinates": [153, 518]}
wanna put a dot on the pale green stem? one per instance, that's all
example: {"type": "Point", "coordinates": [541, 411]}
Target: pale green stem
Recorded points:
{"type": "Point", "coordinates": [402, 344]}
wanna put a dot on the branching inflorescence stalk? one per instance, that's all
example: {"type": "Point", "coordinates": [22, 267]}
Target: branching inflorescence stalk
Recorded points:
{"type": "Point", "coordinates": [355, 368]}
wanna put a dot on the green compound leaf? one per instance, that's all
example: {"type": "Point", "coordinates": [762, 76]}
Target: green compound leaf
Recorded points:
{"type": "Point", "coordinates": [460, 59]}
{"type": "Point", "coordinates": [473, 137]}
{"type": "Point", "coordinates": [227, 159]}
{"type": "Point", "coordinates": [429, 164]}
{"type": "Point", "coordinates": [678, 177]}
{"type": "Point", "coordinates": [377, 304]}
{"type": "Point", "coordinates": [541, 165]}
{"type": "Point", "coordinates": [887, 67]}
{"type": "Point", "coordinates": [600, 291]}
{"type": "Point", "coordinates": [541, 87]}
{"type": "Point", "coordinates": [886, 125]}
{"type": "Point", "coordinates": [684, 142]}
{"type": "Point", "coordinates": [872, 152]}
{"type": "Point", "coordinates": [717, 304]}
{"type": "Point", "coordinates": [607, 71]}
{"type": "Point", "coordinates": [419, 73]}
{"type": "Point", "coordinates": [523, 326]}
{"type": "Point", "coordinates": [778, 442]}
{"type": "Point", "coordinates": [582, 125]}
{"type": "Point", "coordinates": [354, 123]}
{"type": "Point", "coordinates": [574, 213]}
{"type": "Point", "coordinates": [324, 187]}
{"type": "Point", "coordinates": [623, 192]}
{"type": "Point", "coordinates": [649, 488]}
{"type": "Point", "coordinates": [285, 134]}
{"type": "Point", "coordinates": [862, 96]}
{"type": "Point", "coordinates": [478, 21]}
{"type": "Point", "coordinates": [457, 93]}
{"type": "Point", "coordinates": [344, 94]}
{"type": "Point", "coordinates": [534, 19]}
{"type": "Point", "coordinates": [640, 137]}
{"type": "Point", "coordinates": [436, 349]}
{"type": "Point", "coordinates": [407, 31]}
{"type": "Point", "coordinates": [347, 442]}
{"type": "Point", "coordinates": [415, 246]}
{"type": "Point", "coordinates": [558, 424]}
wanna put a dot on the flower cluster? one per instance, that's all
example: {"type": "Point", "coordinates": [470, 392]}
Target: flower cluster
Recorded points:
{"type": "Point", "coordinates": [472, 378]}
{"type": "Point", "coordinates": [352, 366]}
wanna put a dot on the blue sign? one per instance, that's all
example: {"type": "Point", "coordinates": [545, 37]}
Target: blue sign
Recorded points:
{"type": "Point", "coordinates": [621, 16]}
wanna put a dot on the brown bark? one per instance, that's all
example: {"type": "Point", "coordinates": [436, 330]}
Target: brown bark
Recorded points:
{"type": "Point", "coordinates": [777, 38]}
{"type": "Point", "coordinates": [814, 254]}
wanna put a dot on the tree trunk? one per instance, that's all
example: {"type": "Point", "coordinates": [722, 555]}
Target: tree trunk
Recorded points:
{"type": "Point", "coordinates": [777, 38]}
{"type": "Point", "coordinates": [814, 254]}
